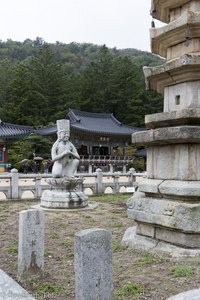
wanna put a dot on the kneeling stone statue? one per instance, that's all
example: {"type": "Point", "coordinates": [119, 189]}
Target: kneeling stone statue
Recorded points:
{"type": "Point", "coordinates": [64, 191]}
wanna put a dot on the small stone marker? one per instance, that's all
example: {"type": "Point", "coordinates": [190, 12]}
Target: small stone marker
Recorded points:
{"type": "Point", "coordinates": [93, 265]}
{"type": "Point", "coordinates": [31, 242]}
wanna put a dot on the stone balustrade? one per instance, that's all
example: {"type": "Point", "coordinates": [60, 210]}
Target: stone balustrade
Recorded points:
{"type": "Point", "coordinates": [14, 185]}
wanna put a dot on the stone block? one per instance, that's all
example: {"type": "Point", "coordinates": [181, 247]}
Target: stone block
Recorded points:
{"type": "Point", "coordinates": [31, 242]}
{"type": "Point", "coordinates": [136, 241]}
{"type": "Point", "coordinates": [154, 246]}
{"type": "Point", "coordinates": [168, 135]}
{"type": "Point", "coordinates": [167, 36]}
{"type": "Point", "coordinates": [180, 189]}
{"type": "Point", "coordinates": [93, 265]}
{"type": "Point", "coordinates": [11, 290]}
{"type": "Point", "coordinates": [175, 215]}
{"type": "Point", "coordinates": [182, 96]}
{"type": "Point", "coordinates": [63, 199]}
{"type": "Point", "coordinates": [175, 162]}
{"type": "Point", "coordinates": [178, 238]}
{"type": "Point", "coordinates": [146, 229]}
{"type": "Point", "coordinates": [165, 10]}
{"type": "Point", "coordinates": [189, 116]}
{"type": "Point", "coordinates": [172, 189]}
{"type": "Point", "coordinates": [183, 69]}
{"type": "Point", "coordinates": [150, 186]}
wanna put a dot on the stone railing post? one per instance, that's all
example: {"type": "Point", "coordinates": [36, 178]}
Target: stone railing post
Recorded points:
{"type": "Point", "coordinates": [93, 265]}
{"type": "Point", "coordinates": [116, 182]}
{"type": "Point", "coordinates": [99, 181]}
{"type": "Point", "coordinates": [81, 185]}
{"type": "Point", "coordinates": [38, 188]}
{"type": "Point", "coordinates": [132, 177]}
{"type": "Point", "coordinates": [31, 242]}
{"type": "Point", "coordinates": [14, 184]}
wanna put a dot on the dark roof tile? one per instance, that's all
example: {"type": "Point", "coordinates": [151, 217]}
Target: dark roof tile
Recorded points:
{"type": "Point", "coordinates": [8, 130]}
{"type": "Point", "coordinates": [101, 123]}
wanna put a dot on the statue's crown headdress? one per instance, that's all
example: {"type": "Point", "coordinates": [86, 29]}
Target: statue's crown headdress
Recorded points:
{"type": "Point", "coordinates": [63, 125]}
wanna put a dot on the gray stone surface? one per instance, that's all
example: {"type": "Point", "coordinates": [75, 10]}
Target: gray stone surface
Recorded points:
{"type": "Point", "coordinates": [11, 290]}
{"type": "Point", "coordinates": [31, 242]}
{"type": "Point", "coordinates": [150, 186]}
{"type": "Point", "coordinates": [176, 215]}
{"type": "Point", "coordinates": [169, 213]}
{"type": "Point", "coordinates": [15, 184]}
{"type": "Point", "coordinates": [183, 69]}
{"type": "Point", "coordinates": [188, 93]}
{"type": "Point", "coordinates": [189, 295]}
{"type": "Point", "coordinates": [63, 199]}
{"type": "Point", "coordinates": [63, 152]}
{"type": "Point", "coordinates": [176, 189]}
{"type": "Point", "coordinates": [177, 162]}
{"type": "Point", "coordinates": [168, 135]}
{"type": "Point", "coordinates": [93, 265]}
{"type": "Point", "coordinates": [182, 189]}
{"type": "Point", "coordinates": [174, 237]}
{"type": "Point", "coordinates": [64, 191]}
{"type": "Point", "coordinates": [152, 245]}
{"type": "Point", "coordinates": [189, 116]}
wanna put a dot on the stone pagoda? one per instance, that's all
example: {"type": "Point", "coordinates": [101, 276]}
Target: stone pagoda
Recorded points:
{"type": "Point", "coordinates": [167, 207]}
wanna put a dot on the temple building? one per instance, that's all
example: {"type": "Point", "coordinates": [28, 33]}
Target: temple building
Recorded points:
{"type": "Point", "coordinates": [100, 139]}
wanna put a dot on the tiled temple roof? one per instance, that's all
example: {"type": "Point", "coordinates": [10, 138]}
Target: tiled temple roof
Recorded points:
{"type": "Point", "coordinates": [101, 123]}
{"type": "Point", "coordinates": [10, 131]}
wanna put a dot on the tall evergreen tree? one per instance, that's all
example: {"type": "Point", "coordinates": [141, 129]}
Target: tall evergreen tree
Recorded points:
{"type": "Point", "coordinates": [47, 83]}
{"type": "Point", "coordinates": [96, 90]}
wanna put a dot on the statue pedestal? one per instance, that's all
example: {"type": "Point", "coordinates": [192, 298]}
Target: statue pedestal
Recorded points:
{"type": "Point", "coordinates": [64, 193]}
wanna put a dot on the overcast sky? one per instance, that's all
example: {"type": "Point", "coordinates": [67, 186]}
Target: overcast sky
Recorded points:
{"type": "Point", "coordinates": [116, 23]}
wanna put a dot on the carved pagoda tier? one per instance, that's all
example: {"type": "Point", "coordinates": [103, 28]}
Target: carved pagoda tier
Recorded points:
{"type": "Point", "coordinates": [167, 206]}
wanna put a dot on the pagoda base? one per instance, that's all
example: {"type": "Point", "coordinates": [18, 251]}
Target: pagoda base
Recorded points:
{"type": "Point", "coordinates": [154, 246]}
{"type": "Point", "coordinates": [64, 193]}
{"type": "Point", "coordinates": [63, 199]}
{"type": "Point", "coordinates": [176, 215]}
{"type": "Point", "coordinates": [164, 223]}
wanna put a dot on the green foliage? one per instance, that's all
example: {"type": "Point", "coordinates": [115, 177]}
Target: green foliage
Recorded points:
{"type": "Point", "coordinates": [26, 149]}
{"type": "Point", "coordinates": [39, 82]}
{"type": "Point", "coordinates": [148, 260]}
{"type": "Point", "coordinates": [181, 271]}
{"type": "Point", "coordinates": [54, 235]}
{"type": "Point", "coordinates": [12, 250]}
{"type": "Point", "coordinates": [66, 244]}
{"type": "Point", "coordinates": [49, 288]}
{"type": "Point", "coordinates": [130, 289]}
{"type": "Point", "coordinates": [117, 246]}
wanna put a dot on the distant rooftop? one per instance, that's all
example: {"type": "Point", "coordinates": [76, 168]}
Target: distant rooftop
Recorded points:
{"type": "Point", "coordinates": [101, 123]}
{"type": "Point", "coordinates": [10, 131]}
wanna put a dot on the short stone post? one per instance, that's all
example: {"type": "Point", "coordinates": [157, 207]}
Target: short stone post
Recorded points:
{"type": "Point", "coordinates": [99, 181]}
{"type": "Point", "coordinates": [93, 265]}
{"type": "Point", "coordinates": [31, 242]}
{"type": "Point", "coordinates": [116, 182]}
{"type": "Point", "coordinates": [132, 177]}
{"type": "Point", "coordinates": [111, 168]}
{"type": "Point", "coordinates": [124, 168]}
{"type": "Point", "coordinates": [90, 169]}
{"type": "Point", "coordinates": [38, 187]}
{"type": "Point", "coordinates": [14, 184]}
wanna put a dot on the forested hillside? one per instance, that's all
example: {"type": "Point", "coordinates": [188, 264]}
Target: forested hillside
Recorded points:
{"type": "Point", "coordinates": [39, 82]}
